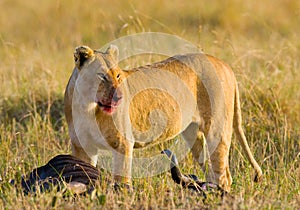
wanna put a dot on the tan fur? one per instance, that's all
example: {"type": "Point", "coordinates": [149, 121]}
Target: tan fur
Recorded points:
{"type": "Point", "coordinates": [204, 119]}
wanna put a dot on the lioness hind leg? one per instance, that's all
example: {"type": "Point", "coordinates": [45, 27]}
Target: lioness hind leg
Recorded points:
{"type": "Point", "coordinates": [220, 172]}
{"type": "Point", "coordinates": [193, 139]}
{"type": "Point", "coordinates": [218, 147]}
{"type": "Point", "coordinates": [215, 166]}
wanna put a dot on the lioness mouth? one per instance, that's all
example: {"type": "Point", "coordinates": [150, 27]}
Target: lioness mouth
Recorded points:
{"type": "Point", "coordinates": [107, 108]}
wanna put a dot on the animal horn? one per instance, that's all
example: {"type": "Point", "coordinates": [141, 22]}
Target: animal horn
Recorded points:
{"type": "Point", "coordinates": [177, 176]}
{"type": "Point", "coordinates": [191, 181]}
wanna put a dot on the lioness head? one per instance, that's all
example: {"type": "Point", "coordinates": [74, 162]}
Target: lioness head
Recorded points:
{"type": "Point", "coordinates": [100, 69]}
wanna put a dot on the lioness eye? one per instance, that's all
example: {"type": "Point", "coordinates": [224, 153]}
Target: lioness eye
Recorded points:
{"type": "Point", "coordinates": [102, 76]}
{"type": "Point", "coordinates": [118, 76]}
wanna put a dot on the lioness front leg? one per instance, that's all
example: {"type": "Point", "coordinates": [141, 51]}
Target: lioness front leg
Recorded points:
{"type": "Point", "coordinates": [80, 153]}
{"type": "Point", "coordinates": [122, 162]}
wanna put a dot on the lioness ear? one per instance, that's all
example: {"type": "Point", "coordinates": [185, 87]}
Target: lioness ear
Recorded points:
{"type": "Point", "coordinates": [81, 54]}
{"type": "Point", "coordinates": [113, 51]}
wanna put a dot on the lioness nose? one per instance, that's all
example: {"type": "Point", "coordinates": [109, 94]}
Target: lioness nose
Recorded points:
{"type": "Point", "coordinates": [117, 96]}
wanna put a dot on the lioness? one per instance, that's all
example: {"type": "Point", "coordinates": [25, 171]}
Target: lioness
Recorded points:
{"type": "Point", "coordinates": [98, 87]}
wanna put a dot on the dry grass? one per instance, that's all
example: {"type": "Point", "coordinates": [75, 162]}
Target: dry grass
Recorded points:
{"type": "Point", "coordinates": [259, 40]}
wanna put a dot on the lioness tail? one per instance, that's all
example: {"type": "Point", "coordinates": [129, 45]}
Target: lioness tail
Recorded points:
{"type": "Point", "coordinates": [237, 125]}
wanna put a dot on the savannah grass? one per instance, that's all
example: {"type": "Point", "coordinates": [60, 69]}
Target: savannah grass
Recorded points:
{"type": "Point", "coordinates": [259, 40]}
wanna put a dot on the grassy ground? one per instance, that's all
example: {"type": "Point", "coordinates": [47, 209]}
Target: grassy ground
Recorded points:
{"type": "Point", "coordinates": [259, 40]}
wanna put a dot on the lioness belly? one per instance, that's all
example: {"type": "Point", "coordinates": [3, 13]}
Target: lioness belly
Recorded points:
{"type": "Point", "coordinates": [152, 113]}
